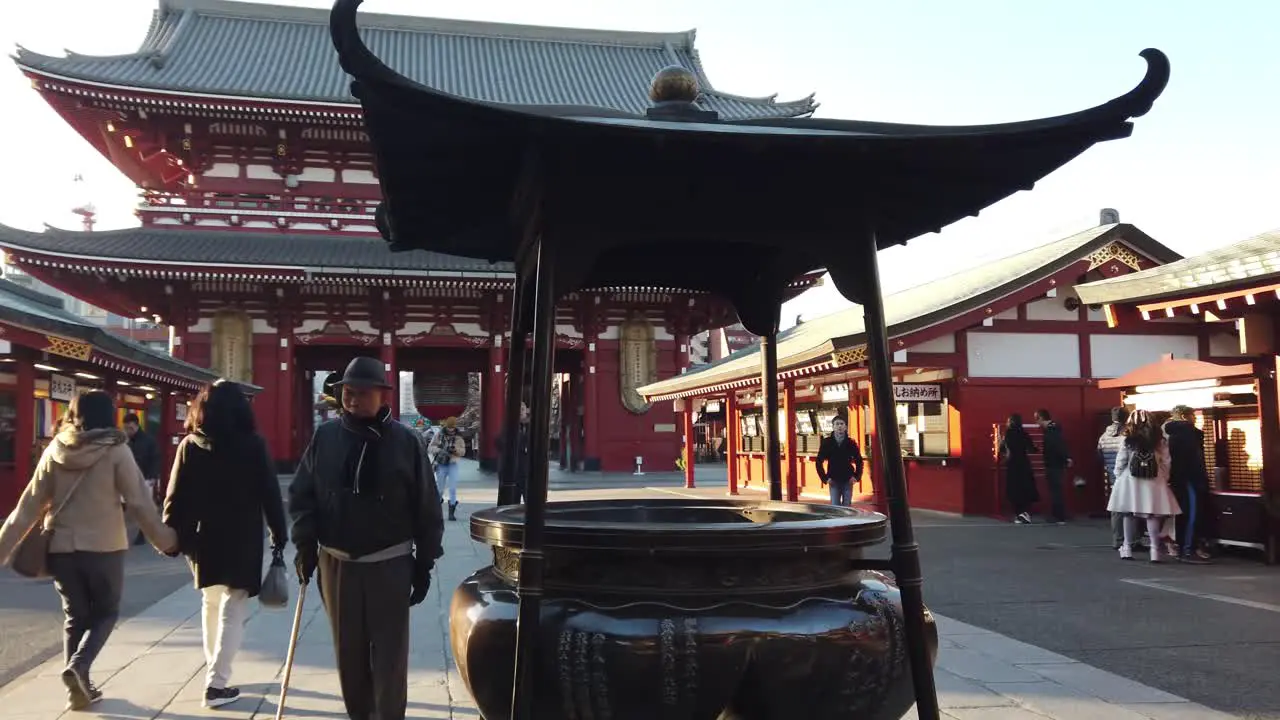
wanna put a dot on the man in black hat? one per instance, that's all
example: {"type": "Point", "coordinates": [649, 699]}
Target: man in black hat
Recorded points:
{"type": "Point", "coordinates": [366, 514]}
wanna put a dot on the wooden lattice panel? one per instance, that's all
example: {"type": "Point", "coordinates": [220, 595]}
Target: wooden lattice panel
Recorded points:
{"type": "Point", "coordinates": [1117, 252]}
{"type": "Point", "coordinates": [851, 357]}
{"type": "Point", "coordinates": [64, 347]}
{"type": "Point", "coordinates": [1244, 451]}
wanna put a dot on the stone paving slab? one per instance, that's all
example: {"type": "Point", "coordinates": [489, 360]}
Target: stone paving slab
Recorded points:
{"type": "Point", "coordinates": [153, 667]}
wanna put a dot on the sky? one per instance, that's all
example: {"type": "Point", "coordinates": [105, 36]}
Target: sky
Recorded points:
{"type": "Point", "coordinates": [1200, 171]}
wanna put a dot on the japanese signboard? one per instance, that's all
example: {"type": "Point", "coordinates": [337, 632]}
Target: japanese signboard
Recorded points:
{"type": "Point", "coordinates": [62, 388]}
{"type": "Point", "coordinates": [917, 393]}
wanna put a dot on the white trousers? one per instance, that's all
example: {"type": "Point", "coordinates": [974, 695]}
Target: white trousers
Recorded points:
{"type": "Point", "coordinates": [225, 613]}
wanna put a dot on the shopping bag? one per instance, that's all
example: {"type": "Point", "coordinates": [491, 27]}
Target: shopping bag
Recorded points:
{"type": "Point", "coordinates": [275, 589]}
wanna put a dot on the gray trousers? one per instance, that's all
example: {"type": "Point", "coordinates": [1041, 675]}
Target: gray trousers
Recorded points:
{"type": "Point", "coordinates": [90, 584]}
{"type": "Point", "coordinates": [368, 609]}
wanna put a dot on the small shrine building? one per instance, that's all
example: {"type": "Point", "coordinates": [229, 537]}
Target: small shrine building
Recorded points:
{"type": "Point", "coordinates": [1010, 336]}
{"type": "Point", "coordinates": [1231, 290]}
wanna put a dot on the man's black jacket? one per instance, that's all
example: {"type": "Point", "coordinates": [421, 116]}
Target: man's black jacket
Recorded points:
{"type": "Point", "coordinates": [362, 503]}
{"type": "Point", "coordinates": [1056, 452]}
{"type": "Point", "coordinates": [839, 461]}
{"type": "Point", "coordinates": [146, 454]}
{"type": "Point", "coordinates": [1187, 467]}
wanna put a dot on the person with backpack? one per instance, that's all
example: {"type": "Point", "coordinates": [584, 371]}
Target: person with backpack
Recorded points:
{"type": "Point", "coordinates": [1141, 487]}
{"type": "Point", "coordinates": [221, 490]}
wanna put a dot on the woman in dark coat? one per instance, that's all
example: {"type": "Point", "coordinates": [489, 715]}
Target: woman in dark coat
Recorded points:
{"type": "Point", "coordinates": [1019, 481]}
{"type": "Point", "coordinates": [221, 486]}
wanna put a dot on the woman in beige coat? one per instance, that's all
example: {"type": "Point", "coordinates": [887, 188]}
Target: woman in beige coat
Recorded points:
{"type": "Point", "coordinates": [88, 466]}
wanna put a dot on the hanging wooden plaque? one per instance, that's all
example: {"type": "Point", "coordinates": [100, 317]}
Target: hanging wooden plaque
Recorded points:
{"type": "Point", "coordinates": [637, 360]}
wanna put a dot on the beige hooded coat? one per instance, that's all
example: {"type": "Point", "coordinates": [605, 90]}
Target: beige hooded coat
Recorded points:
{"type": "Point", "coordinates": [92, 520]}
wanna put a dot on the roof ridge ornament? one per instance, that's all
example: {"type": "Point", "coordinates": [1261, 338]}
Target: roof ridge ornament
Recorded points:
{"type": "Point", "coordinates": [674, 91]}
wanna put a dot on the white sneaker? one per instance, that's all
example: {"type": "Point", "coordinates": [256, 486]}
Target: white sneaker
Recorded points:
{"type": "Point", "coordinates": [1126, 552]}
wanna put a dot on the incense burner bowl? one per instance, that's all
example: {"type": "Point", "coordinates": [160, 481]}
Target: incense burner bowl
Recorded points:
{"type": "Point", "coordinates": [698, 609]}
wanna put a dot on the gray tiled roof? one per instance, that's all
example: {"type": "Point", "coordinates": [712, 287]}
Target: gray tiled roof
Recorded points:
{"type": "Point", "coordinates": [37, 311]}
{"type": "Point", "coordinates": [1251, 262]}
{"type": "Point", "coordinates": [318, 253]}
{"type": "Point", "coordinates": [270, 51]}
{"type": "Point", "coordinates": [919, 307]}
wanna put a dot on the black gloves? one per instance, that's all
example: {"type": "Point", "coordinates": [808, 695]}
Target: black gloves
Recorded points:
{"type": "Point", "coordinates": [304, 563]}
{"type": "Point", "coordinates": [421, 583]}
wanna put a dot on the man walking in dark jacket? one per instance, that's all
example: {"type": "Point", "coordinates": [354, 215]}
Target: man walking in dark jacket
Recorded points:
{"type": "Point", "coordinates": [1189, 480]}
{"type": "Point", "coordinates": [366, 513]}
{"type": "Point", "coordinates": [1057, 458]}
{"type": "Point", "coordinates": [839, 463]}
{"type": "Point", "coordinates": [147, 456]}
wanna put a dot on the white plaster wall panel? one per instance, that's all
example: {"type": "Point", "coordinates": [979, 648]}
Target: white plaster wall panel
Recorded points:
{"type": "Point", "coordinates": [359, 177]}
{"type": "Point", "coordinates": [944, 344]}
{"type": "Point", "coordinates": [413, 328]}
{"type": "Point", "coordinates": [1024, 355]}
{"type": "Point", "coordinates": [1097, 315]}
{"type": "Point", "coordinates": [261, 327]}
{"type": "Point", "coordinates": [568, 331]}
{"type": "Point", "coordinates": [161, 220]}
{"type": "Point", "coordinates": [1224, 345]}
{"type": "Point", "coordinates": [318, 174]}
{"type": "Point", "coordinates": [222, 170]}
{"type": "Point", "coordinates": [203, 325]}
{"type": "Point", "coordinates": [261, 172]}
{"type": "Point", "coordinates": [1053, 308]}
{"type": "Point", "coordinates": [1112, 354]}
{"type": "Point", "coordinates": [1010, 314]}
{"type": "Point", "coordinates": [265, 224]}
{"type": "Point", "coordinates": [317, 324]}
{"type": "Point", "coordinates": [609, 333]}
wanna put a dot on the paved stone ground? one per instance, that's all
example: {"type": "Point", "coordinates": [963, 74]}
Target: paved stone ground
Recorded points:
{"type": "Point", "coordinates": [152, 667]}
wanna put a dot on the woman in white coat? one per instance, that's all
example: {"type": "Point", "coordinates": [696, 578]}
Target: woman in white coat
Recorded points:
{"type": "Point", "coordinates": [1141, 487]}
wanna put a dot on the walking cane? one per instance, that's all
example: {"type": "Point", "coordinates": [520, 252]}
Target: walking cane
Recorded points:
{"type": "Point", "coordinates": [293, 648]}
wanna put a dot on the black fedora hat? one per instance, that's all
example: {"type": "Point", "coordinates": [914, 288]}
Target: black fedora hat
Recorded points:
{"type": "Point", "coordinates": [364, 372]}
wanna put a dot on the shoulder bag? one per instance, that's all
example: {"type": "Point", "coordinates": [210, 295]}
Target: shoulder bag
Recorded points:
{"type": "Point", "coordinates": [31, 557]}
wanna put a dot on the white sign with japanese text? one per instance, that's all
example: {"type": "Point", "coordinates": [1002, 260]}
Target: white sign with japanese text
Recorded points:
{"type": "Point", "coordinates": [62, 388]}
{"type": "Point", "coordinates": [917, 393]}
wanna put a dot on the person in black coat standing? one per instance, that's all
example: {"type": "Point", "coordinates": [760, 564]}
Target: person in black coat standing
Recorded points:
{"type": "Point", "coordinates": [220, 488]}
{"type": "Point", "coordinates": [1016, 448]}
{"type": "Point", "coordinates": [1057, 458]}
{"type": "Point", "coordinates": [366, 517]}
{"type": "Point", "coordinates": [839, 463]}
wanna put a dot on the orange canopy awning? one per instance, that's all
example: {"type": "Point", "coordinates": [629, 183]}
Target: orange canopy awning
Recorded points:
{"type": "Point", "coordinates": [1170, 370]}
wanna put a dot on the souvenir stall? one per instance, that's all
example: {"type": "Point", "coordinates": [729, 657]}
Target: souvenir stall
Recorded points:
{"type": "Point", "coordinates": [1225, 399]}
{"type": "Point", "coordinates": [48, 356]}
{"type": "Point", "coordinates": [542, 186]}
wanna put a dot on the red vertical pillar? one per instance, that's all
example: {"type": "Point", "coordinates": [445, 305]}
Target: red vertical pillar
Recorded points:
{"type": "Point", "coordinates": [689, 455]}
{"type": "Point", "coordinates": [590, 415]}
{"type": "Point", "coordinates": [388, 356]}
{"type": "Point", "coordinates": [491, 416]}
{"type": "Point", "coordinates": [165, 435]}
{"type": "Point", "coordinates": [875, 461]}
{"type": "Point", "coordinates": [24, 436]}
{"type": "Point", "coordinates": [789, 435]}
{"type": "Point", "coordinates": [857, 431]}
{"type": "Point", "coordinates": [732, 431]}
{"type": "Point", "coordinates": [284, 388]}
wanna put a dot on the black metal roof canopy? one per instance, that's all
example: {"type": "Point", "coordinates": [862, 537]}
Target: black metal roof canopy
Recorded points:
{"type": "Point", "coordinates": [668, 196]}
{"type": "Point", "coordinates": [589, 197]}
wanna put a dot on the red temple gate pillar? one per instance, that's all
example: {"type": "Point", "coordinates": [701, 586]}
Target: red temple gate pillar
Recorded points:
{"type": "Point", "coordinates": [24, 435]}
{"type": "Point", "coordinates": [591, 396]}
{"type": "Point", "coordinates": [284, 388]}
{"type": "Point", "coordinates": [733, 426]}
{"type": "Point", "coordinates": [686, 418]}
{"type": "Point", "coordinates": [491, 415]}
{"type": "Point", "coordinates": [387, 353]}
{"type": "Point", "coordinates": [792, 491]}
